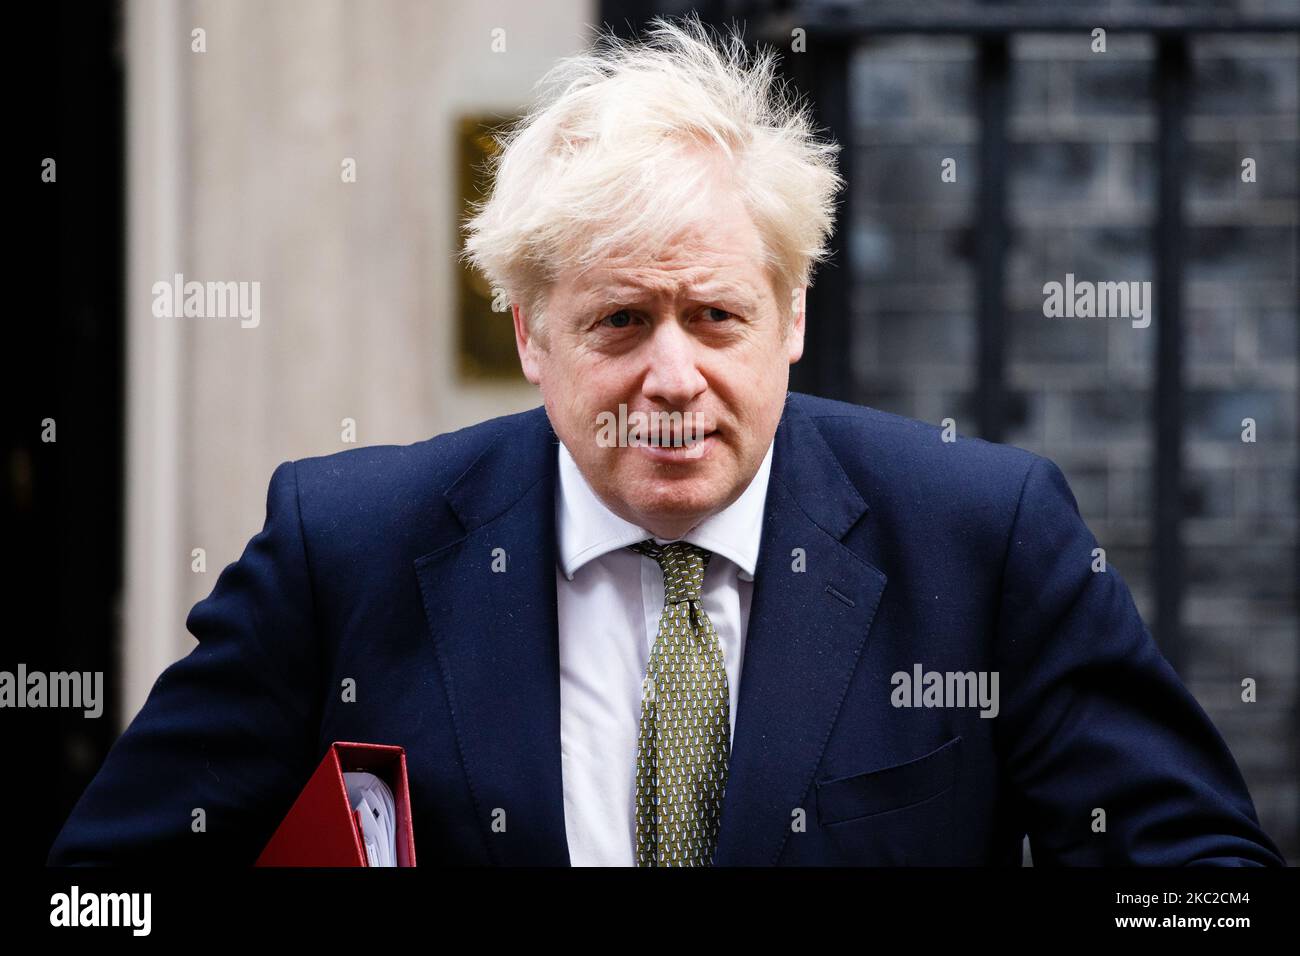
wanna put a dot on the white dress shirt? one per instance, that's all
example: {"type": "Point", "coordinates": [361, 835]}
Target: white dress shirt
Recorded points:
{"type": "Point", "coordinates": [609, 601]}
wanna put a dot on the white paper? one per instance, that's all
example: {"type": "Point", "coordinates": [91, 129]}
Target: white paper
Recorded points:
{"type": "Point", "coordinates": [374, 799]}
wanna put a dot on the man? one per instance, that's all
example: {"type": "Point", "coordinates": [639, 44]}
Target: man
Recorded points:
{"type": "Point", "coordinates": [678, 615]}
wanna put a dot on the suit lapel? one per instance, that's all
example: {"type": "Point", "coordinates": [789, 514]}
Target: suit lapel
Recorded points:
{"type": "Point", "coordinates": [496, 639]}
{"type": "Point", "coordinates": [805, 635]}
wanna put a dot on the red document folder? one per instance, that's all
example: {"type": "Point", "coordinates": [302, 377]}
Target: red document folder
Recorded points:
{"type": "Point", "coordinates": [321, 829]}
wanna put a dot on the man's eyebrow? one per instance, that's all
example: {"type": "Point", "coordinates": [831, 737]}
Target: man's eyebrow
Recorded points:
{"type": "Point", "coordinates": [735, 290]}
{"type": "Point", "coordinates": [698, 293]}
{"type": "Point", "coordinates": [612, 293]}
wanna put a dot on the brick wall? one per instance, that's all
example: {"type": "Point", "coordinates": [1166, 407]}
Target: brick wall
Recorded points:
{"type": "Point", "coordinates": [1081, 188]}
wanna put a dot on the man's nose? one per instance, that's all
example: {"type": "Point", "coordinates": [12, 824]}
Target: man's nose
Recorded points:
{"type": "Point", "coordinates": [673, 376]}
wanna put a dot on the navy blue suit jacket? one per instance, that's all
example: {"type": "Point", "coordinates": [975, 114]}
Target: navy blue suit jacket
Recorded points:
{"type": "Point", "coordinates": [375, 564]}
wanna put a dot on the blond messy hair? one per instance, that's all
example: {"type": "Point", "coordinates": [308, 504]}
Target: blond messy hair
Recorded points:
{"type": "Point", "coordinates": [609, 158]}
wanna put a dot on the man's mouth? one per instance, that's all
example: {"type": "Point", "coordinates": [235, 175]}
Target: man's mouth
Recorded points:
{"type": "Point", "coordinates": [675, 448]}
{"type": "Point", "coordinates": [678, 439]}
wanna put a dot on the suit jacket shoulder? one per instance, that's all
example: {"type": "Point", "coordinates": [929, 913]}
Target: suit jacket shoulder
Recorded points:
{"type": "Point", "coordinates": [915, 481]}
{"type": "Point", "coordinates": [394, 494]}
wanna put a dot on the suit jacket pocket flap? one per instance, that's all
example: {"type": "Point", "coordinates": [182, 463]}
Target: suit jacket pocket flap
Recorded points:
{"type": "Point", "coordinates": [891, 788]}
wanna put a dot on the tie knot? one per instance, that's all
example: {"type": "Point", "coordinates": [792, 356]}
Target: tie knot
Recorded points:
{"type": "Point", "coordinates": [683, 565]}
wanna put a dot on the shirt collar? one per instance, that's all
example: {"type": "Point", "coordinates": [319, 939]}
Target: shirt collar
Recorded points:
{"type": "Point", "coordinates": [587, 529]}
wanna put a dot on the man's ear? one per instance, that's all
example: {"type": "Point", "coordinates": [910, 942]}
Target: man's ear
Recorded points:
{"type": "Point", "coordinates": [795, 326]}
{"type": "Point", "coordinates": [527, 345]}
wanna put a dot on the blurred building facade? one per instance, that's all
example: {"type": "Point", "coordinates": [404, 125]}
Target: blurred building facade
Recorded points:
{"type": "Point", "coordinates": [1082, 201]}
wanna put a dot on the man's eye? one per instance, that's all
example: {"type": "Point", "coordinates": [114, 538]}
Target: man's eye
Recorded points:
{"type": "Point", "coordinates": [620, 319]}
{"type": "Point", "coordinates": [720, 316]}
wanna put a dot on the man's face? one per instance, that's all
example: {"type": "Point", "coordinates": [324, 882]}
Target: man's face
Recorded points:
{"type": "Point", "coordinates": [697, 331]}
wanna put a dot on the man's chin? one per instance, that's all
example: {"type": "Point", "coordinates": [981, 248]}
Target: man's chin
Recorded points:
{"type": "Point", "coordinates": [672, 502]}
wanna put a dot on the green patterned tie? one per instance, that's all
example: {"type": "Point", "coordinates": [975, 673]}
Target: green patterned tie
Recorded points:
{"type": "Point", "coordinates": [685, 740]}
